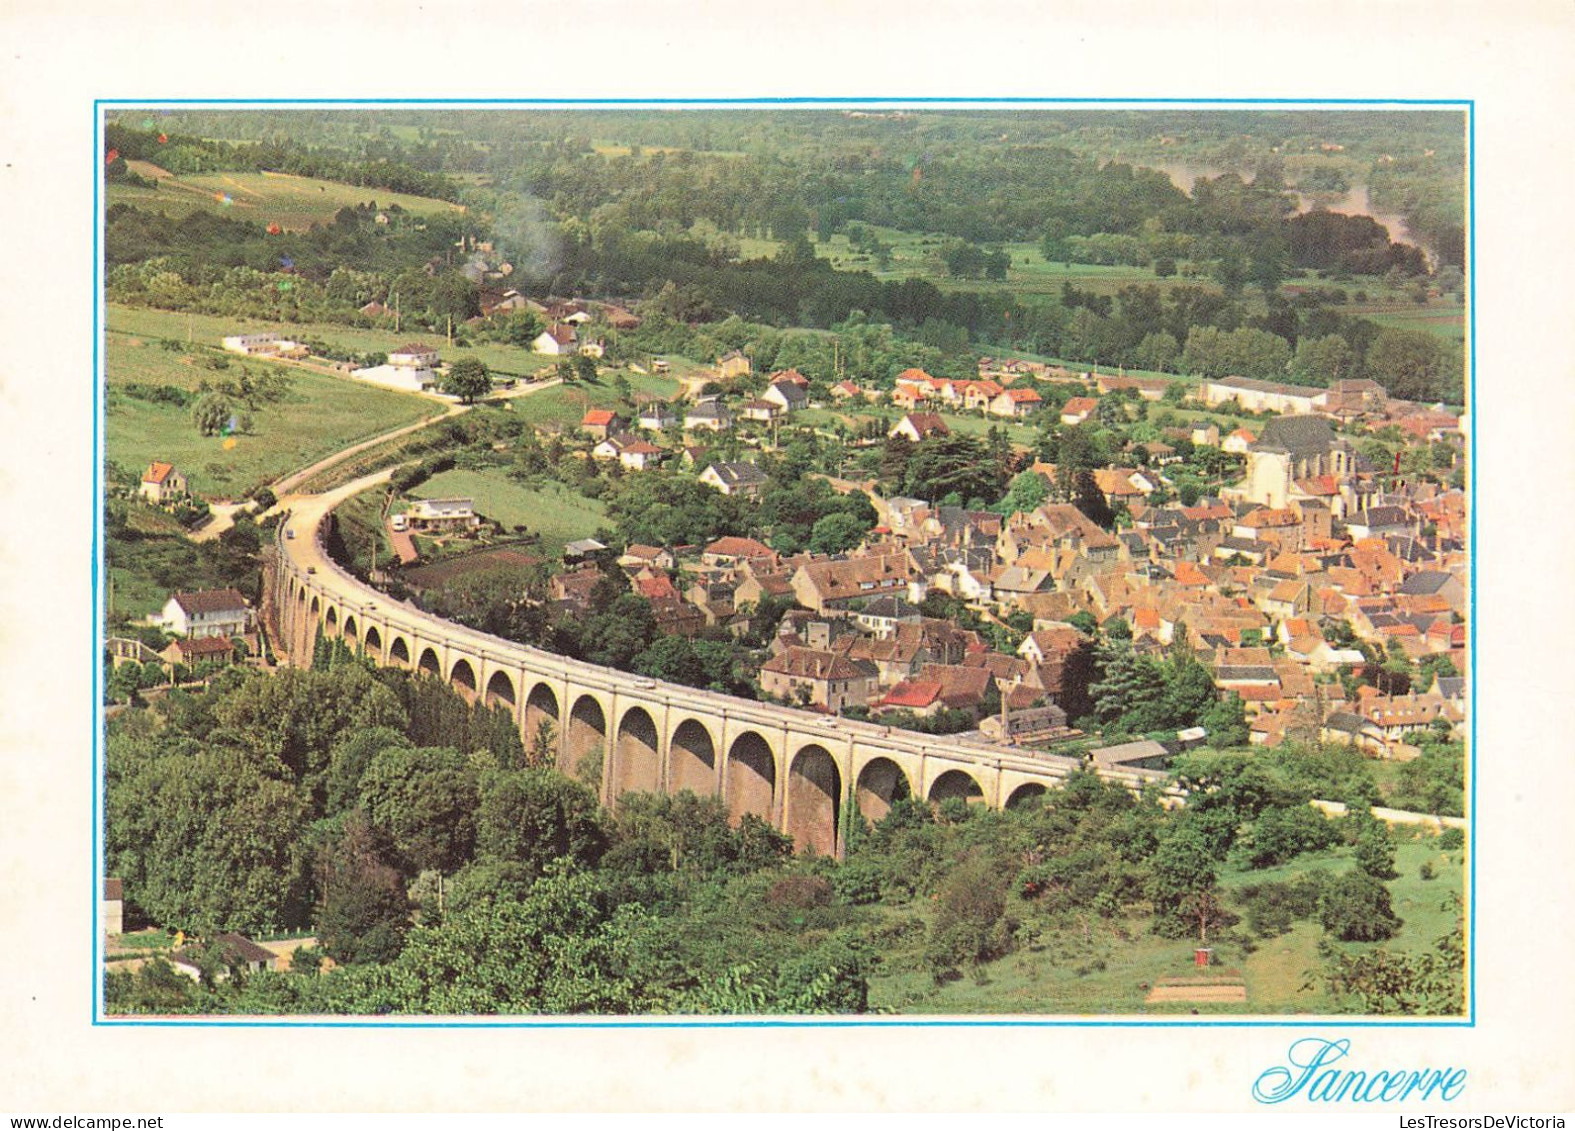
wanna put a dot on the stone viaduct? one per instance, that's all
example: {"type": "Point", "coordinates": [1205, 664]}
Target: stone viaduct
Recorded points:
{"type": "Point", "coordinates": [797, 769]}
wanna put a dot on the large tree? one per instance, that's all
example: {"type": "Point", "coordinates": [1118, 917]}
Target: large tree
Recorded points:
{"type": "Point", "coordinates": [1415, 365]}
{"type": "Point", "coordinates": [467, 379]}
{"type": "Point", "coordinates": [204, 837]}
{"type": "Point", "coordinates": [424, 799]}
{"type": "Point", "coordinates": [533, 817]}
{"type": "Point", "coordinates": [362, 912]}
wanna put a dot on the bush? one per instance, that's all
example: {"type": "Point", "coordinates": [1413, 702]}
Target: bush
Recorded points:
{"type": "Point", "coordinates": [858, 882]}
{"type": "Point", "coordinates": [1452, 840]}
{"type": "Point", "coordinates": [799, 893]}
{"type": "Point", "coordinates": [971, 925]}
{"type": "Point", "coordinates": [1272, 907]}
{"type": "Point", "coordinates": [1356, 908]}
{"type": "Point", "coordinates": [1375, 851]}
{"type": "Point", "coordinates": [1283, 833]}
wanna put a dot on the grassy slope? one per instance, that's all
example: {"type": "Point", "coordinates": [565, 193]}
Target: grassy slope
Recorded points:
{"type": "Point", "coordinates": [208, 329]}
{"type": "Point", "coordinates": [319, 415]}
{"type": "Point", "coordinates": [567, 404]}
{"type": "Point", "coordinates": [556, 513]}
{"type": "Point", "coordinates": [1058, 973]}
{"type": "Point", "coordinates": [143, 588]}
{"type": "Point", "coordinates": [295, 203]}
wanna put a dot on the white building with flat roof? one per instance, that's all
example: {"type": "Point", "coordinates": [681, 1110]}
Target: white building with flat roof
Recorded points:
{"type": "Point", "coordinates": [443, 514]}
{"type": "Point", "coordinates": [405, 378]}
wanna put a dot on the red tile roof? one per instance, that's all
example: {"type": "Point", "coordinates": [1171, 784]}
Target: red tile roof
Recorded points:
{"type": "Point", "coordinates": [734, 547]}
{"type": "Point", "coordinates": [203, 646]}
{"type": "Point", "coordinates": [912, 693]}
{"type": "Point", "coordinates": [157, 472]}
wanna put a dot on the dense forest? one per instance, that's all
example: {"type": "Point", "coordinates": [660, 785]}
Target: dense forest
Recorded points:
{"type": "Point", "coordinates": [444, 870]}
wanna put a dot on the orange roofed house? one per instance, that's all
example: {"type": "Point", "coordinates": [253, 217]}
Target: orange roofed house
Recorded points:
{"type": "Point", "coordinates": [599, 422]}
{"type": "Point", "coordinates": [161, 483]}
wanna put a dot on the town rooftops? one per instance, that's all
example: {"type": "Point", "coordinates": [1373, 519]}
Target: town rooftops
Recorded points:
{"type": "Point", "coordinates": [889, 606]}
{"type": "Point", "coordinates": [1252, 384]}
{"type": "Point", "coordinates": [211, 601]}
{"type": "Point", "coordinates": [1128, 753]}
{"type": "Point", "coordinates": [239, 948]}
{"type": "Point", "coordinates": [443, 508]}
{"type": "Point", "coordinates": [927, 423]}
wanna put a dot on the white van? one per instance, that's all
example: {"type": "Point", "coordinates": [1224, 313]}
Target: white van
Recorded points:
{"type": "Point", "coordinates": [399, 522]}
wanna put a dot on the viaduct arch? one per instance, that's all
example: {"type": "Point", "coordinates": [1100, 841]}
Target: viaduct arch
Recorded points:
{"type": "Point", "coordinates": [804, 773]}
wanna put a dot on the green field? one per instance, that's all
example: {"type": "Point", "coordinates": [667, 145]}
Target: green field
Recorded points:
{"type": "Point", "coordinates": [318, 416]}
{"type": "Point", "coordinates": [554, 512]}
{"type": "Point", "coordinates": [294, 203]}
{"type": "Point", "coordinates": [211, 330]}
{"type": "Point", "coordinates": [1444, 320]}
{"type": "Point", "coordinates": [566, 405]}
{"type": "Point", "coordinates": [1104, 969]}
{"type": "Point", "coordinates": [917, 255]}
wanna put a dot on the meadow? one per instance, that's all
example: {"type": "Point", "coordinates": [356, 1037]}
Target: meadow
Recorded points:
{"type": "Point", "coordinates": [567, 404]}
{"type": "Point", "coordinates": [551, 511]}
{"type": "Point", "coordinates": [211, 330]}
{"type": "Point", "coordinates": [318, 415]}
{"type": "Point", "coordinates": [294, 203]}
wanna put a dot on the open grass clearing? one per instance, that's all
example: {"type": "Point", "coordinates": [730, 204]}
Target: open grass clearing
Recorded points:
{"type": "Point", "coordinates": [294, 203]}
{"type": "Point", "coordinates": [1110, 967]}
{"type": "Point", "coordinates": [318, 415]}
{"type": "Point", "coordinates": [211, 330]}
{"type": "Point", "coordinates": [550, 510]}
{"type": "Point", "coordinates": [566, 405]}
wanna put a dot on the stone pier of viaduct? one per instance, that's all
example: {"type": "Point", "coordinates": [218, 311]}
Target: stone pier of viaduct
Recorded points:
{"type": "Point", "coordinates": [797, 769]}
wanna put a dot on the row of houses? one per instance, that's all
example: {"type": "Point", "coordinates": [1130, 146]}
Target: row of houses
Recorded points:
{"type": "Point", "coordinates": [915, 388]}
